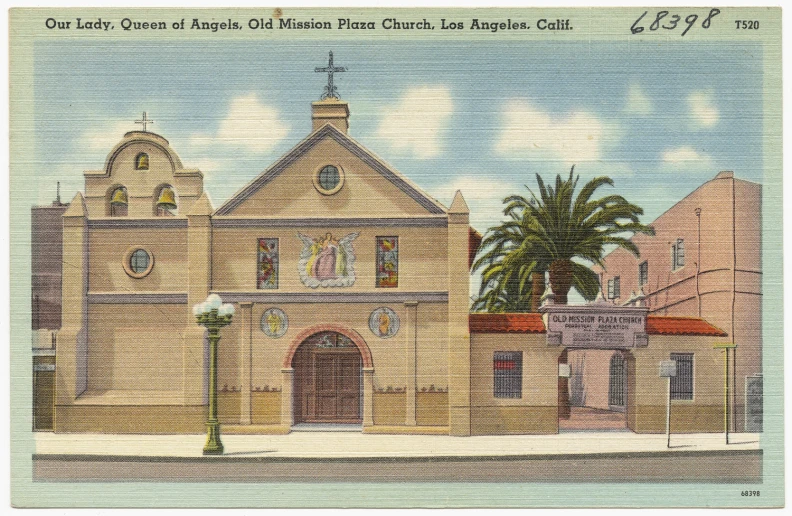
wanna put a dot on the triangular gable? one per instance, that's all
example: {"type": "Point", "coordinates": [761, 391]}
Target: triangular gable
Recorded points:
{"type": "Point", "coordinates": [431, 205]}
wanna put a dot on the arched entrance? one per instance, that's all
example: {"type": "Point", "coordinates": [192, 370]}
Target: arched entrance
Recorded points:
{"type": "Point", "coordinates": [328, 379]}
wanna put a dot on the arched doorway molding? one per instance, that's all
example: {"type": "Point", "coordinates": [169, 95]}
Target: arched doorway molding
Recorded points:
{"type": "Point", "coordinates": [287, 382]}
{"type": "Point", "coordinates": [354, 336]}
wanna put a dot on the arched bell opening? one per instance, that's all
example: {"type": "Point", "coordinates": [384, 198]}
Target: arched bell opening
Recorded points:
{"type": "Point", "coordinates": [165, 201]}
{"type": "Point", "coordinates": [117, 201]}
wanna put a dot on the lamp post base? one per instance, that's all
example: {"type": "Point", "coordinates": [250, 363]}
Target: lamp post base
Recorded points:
{"type": "Point", "coordinates": [213, 445]}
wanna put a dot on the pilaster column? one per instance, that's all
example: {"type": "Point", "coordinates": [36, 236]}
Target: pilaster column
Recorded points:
{"type": "Point", "coordinates": [458, 314]}
{"type": "Point", "coordinates": [199, 282]}
{"type": "Point", "coordinates": [411, 344]}
{"type": "Point", "coordinates": [72, 343]}
{"type": "Point", "coordinates": [245, 318]}
{"type": "Point", "coordinates": [368, 396]}
{"type": "Point", "coordinates": [287, 379]}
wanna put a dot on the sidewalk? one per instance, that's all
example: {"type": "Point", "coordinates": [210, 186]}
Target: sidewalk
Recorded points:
{"type": "Point", "coordinates": [358, 445]}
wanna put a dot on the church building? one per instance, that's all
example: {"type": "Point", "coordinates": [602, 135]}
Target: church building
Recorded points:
{"type": "Point", "coordinates": [351, 293]}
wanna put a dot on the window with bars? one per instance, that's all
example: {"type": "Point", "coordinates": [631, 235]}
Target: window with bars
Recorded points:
{"type": "Point", "coordinates": [507, 369]}
{"type": "Point", "coordinates": [682, 383]}
{"type": "Point", "coordinates": [678, 254]}
{"type": "Point", "coordinates": [617, 384]}
{"type": "Point", "coordinates": [643, 274]}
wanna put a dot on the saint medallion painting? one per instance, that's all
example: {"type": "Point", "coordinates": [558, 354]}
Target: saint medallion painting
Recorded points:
{"type": "Point", "coordinates": [327, 261]}
{"type": "Point", "coordinates": [274, 322]}
{"type": "Point", "coordinates": [384, 323]}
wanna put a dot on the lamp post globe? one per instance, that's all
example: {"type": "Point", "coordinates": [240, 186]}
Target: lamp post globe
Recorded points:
{"type": "Point", "coordinates": [213, 314]}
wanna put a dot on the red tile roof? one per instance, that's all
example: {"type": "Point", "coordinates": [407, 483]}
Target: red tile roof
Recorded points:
{"type": "Point", "coordinates": [671, 325]}
{"type": "Point", "coordinates": [532, 323]}
{"type": "Point", "coordinates": [506, 323]}
{"type": "Point", "coordinates": [474, 242]}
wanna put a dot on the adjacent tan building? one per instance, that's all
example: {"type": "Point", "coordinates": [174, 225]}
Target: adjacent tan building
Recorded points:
{"type": "Point", "coordinates": [705, 261]}
{"type": "Point", "coordinates": [351, 292]}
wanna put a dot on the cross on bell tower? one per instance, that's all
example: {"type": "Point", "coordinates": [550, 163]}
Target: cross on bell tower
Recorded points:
{"type": "Point", "coordinates": [330, 91]}
{"type": "Point", "coordinates": [144, 121]}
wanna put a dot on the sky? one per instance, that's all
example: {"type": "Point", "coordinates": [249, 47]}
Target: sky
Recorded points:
{"type": "Point", "coordinates": [660, 119]}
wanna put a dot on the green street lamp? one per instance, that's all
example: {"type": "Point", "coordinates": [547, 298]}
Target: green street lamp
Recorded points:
{"type": "Point", "coordinates": [213, 315]}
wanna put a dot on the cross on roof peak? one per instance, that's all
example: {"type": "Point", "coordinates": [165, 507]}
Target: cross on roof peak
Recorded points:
{"type": "Point", "coordinates": [144, 121]}
{"type": "Point", "coordinates": [330, 91]}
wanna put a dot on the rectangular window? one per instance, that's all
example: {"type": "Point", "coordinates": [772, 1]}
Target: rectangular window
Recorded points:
{"type": "Point", "coordinates": [682, 383]}
{"type": "Point", "coordinates": [507, 371]}
{"type": "Point", "coordinates": [678, 254]}
{"type": "Point", "coordinates": [388, 262]}
{"type": "Point", "coordinates": [614, 288]}
{"type": "Point", "coordinates": [643, 274]}
{"type": "Point", "coordinates": [267, 267]}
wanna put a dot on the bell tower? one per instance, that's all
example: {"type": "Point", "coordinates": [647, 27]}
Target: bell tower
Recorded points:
{"type": "Point", "coordinates": [143, 177]}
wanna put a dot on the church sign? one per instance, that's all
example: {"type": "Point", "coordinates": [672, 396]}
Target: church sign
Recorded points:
{"type": "Point", "coordinates": [596, 326]}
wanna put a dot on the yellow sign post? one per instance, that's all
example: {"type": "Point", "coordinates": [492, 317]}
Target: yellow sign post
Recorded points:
{"type": "Point", "coordinates": [726, 346]}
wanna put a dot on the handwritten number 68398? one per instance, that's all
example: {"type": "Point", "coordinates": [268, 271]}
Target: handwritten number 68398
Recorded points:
{"type": "Point", "coordinates": [672, 21]}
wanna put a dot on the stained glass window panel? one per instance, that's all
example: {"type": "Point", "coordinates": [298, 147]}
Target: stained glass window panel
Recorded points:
{"type": "Point", "coordinates": [267, 268]}
{"type": "Point", "coordinates": [388, 262]}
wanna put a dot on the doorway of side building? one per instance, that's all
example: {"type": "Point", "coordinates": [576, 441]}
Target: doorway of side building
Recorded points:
{"type": "Point", "coordinates": [327, 381]}
{"type": "Point", "coordinates": [597, 391]}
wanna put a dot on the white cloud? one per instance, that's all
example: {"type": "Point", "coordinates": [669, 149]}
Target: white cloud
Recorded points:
{"type": "Point", "coordinates": [416, 123]}
{"type": "Point", "coordinates": [476, 188]}
{"type": "Point", "coordinates": [249, 124]}
{"type": "Point", "coordinates": [702, 109]}
{"type": "Point", "coordinates": [529, 132]}
{"type": "Point", "coordinates": [104, 136]}
{"type": "Point", "coordinates": [686, 155]}
{"type": "Point", "coordinates": [637, 101]}
{"type": "Point", "coordinates": [205, 165]}
{"type": "Point", "coordinates": [483, 196]}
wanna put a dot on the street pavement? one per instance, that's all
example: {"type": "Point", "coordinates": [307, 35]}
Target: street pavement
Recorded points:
{"type": "Point", "coordinates": [352, 444]}
{"type": "Point", "coordinates": [356, 457]}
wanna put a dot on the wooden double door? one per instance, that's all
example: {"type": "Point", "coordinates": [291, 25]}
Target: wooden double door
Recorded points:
{"type": "Point", "coordinates": [327, 381]}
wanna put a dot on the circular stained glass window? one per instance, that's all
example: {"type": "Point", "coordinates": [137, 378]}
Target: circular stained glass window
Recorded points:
{"type": "Point", "coordinates": [329, 179]}
{"type": "Point", "coordinates": [139, 261]}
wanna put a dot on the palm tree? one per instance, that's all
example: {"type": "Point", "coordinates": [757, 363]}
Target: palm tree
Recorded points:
{"type": "Point", "coordinates": [545, 233]}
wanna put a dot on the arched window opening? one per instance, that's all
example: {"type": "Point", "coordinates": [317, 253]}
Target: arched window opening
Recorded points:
{"type": "Point", "coordinates": [119, 202]}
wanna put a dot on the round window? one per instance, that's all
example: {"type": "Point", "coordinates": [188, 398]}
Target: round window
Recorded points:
{"type": "Point", "coordinates": [329, 179]}
{"type": "Point", "coordinates": [138, 262]}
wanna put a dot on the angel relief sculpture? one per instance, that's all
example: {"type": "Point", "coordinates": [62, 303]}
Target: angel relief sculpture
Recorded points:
{"type": "Point", "coordinates": [327, 262]}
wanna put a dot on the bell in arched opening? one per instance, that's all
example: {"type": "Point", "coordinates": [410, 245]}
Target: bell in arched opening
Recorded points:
{"type": "Point", "coordinates": [166, 201]}
{"type": "Point", "coordinates": [118, 202]}
{"type": "Point", "coordinates": [142, 161]}
{"type": "Point", "coordinates": [119, 197]}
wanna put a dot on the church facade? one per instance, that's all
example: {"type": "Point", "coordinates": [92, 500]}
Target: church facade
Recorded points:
{"type": "Point", "coordinates": [351, 295]}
